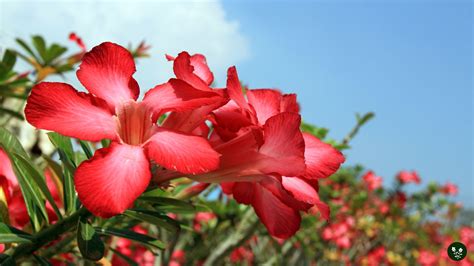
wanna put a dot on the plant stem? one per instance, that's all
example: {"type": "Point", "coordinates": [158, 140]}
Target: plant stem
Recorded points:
{"type": "Point", "coordinates": [244, 231]}
{"type": "Point", "coordinates": [49, 234]}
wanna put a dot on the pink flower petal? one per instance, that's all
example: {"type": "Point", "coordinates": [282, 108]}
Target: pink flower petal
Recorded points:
{"type": "Point", "coordinates": [234, 89]}
{"type": "Point", "coordinates": [266, 103]}
{"type": "Point", "coordinates": [186, 71]}
{"type": "Point", "coordinates": [300, 190]}
{"type": "Point", "coordinates": [177, 95]}
{"type": "Point", "coordinates": [185, 153]}
{"type": "Point", "coordinates": [58, 107]}
{"type": "Point", "coordinates": [289, 104]}
{"type": "Point", "coordinates": [244, 192]}
{"type": "Point", "coordinates": [106, 71]}
{"type": "Point", "coordinates": [6, 170]}
{"type": "Point", "coordinates": [280, 220]}
{"type": "Point", "coordinates": [201, 69]}
{"type": "Point", "coordinates": [322, 160]}
{"type": "Point", "coordinates": [112, 179]}
{"type": "Point", "coordinates": [284, 144]}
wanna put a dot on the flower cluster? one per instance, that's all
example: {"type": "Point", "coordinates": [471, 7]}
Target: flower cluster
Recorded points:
{"type": "Point", "coordinates": [253, 145]}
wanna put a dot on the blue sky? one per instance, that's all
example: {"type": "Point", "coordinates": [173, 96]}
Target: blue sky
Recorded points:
{"type": "Point", "coordinates": [410, 62]}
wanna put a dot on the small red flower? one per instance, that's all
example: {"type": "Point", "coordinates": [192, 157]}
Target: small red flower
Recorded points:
{"type": "Point", "coordinates": [405, 177]}
{"type": "Point", "coordinates": [73, 37]}
{"type": "Point", "coordinates": [115, 176]}
{"type": "Point", "coordinates": [372, 181]}
{"type": "Point", "coordinates": [266, 161]}
{"type": "Point", "coordinates": [202, 218]}
{"type": "Point", "coordinates": [449, 189]}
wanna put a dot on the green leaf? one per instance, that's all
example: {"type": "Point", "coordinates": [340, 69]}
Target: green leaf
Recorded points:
{"type": "Point", "coordinates": [319, 132]}
{"type": "Point", "coordinates": [34, 200]}
{"type": "Point", "coordinates": [53, 53]}
{"type": "Point", "coordinates": [10, 143]}
{"type": "Point", "coordinates": [144, 239]}
{"type": "Point", "coordinates": [66, 155]}
{"type": "Point", "coordinates": [86, 148]}
{"type": "Point", "coordinates": [89, 242]}
{"type": "Point", "coordinates": [41, 261]}
{"type": "Point", "coordinates": [27, 48]}
{"type": "Point", "coordinates": [170, 205]}
{"type": "Point", "coordinates": [154, 218]}
{"type": "Point", "coordinates": [105, 143]}
{"type": "Point", "coordinates": [8, 94]}
{"type": "Point", "coordinates": [68, 183]}
{"type": "Point", "coordinates": [9, 234]}
{"type": "Point", "coordinates": [40, 46]}
{"type": "Point", "coordinates": [129, 260]}
{"type": "Point", "coordinates": [365, 118]}
{"type": "Point", "coordinates": [62, 142]}
{"type": "Point", "coordinates": [11, 112]}
{"type": "Point", "coordinates": [32, 174]}
{"type": "Point", "coordinates": [9, 59]}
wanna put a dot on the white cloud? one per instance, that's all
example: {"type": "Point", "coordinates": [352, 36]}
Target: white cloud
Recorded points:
{"type": "Point", "coordinates": [170, 27]}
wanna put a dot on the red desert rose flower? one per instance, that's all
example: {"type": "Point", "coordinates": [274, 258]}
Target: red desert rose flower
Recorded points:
{"type": "Point", "coordinates": [266, 161]}
{"type": "Point", "coordinates": [372, 181]}
{"type": "Point", "coordinates": [405, 177]}
{"type": "Point", "coordinates": [109, 182]}
{"type": "Point", "coordinates": [202, 218]}
{"type": "Point", "coordinates": [449, 189]}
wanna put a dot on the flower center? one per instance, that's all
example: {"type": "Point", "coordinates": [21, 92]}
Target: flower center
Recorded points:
{"type": "Point", "coordinates": [134, 123]}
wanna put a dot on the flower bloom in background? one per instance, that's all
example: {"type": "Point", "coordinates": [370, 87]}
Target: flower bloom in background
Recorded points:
{"type": "Point", "coordinates": [406, 177]}
{"type": "Point", "coordinates": [375, 257]}
{"type": "Point", "coordinates": [427, 258]}
{"type": "Point", "coordinates": [266, 161]}
{"type": "Point", "coordinates": [202, 218]}
{"type": "Point", "coordinates": [178, 258]}
{"type": "Point", "coordinates": [372, 181]}
{"type": "Point", "coordinates": [138, 253]}
{"type": "Point", "coordinates": [242, 254]}
{"type": "Point", "coordinates": [78, 40]}
{"type": "Point", "coordinates": [339, 233]}
{"type": "Point", "coordinates": [449, 189]}
{"type": "Point", "coordinates": [10, 193]}
{"type": "Point", "coordinates": [115, 176]}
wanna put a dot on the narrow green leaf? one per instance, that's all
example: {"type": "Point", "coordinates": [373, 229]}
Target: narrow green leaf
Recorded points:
{"type": "Point", "coordinates": [89, 242]}
{"type": "Point", "coordinates": [41, 261]}
{"type": "Point", "coordinates": [62, 142]}
{"type": "Point", "coordinates": [27, 48]}
{"type": "Point", "coordinates": [86, 148]}
{"type": "Point", "coordinates": [7, 94]}
{"type": "Point", "coordinates": [34, 200]}
{"type": "Point", "coordinates": [170, 205]}
{"type": "Point", "coordinates": [9, 234]}
{"type": "Point", "coordinates": [105, 143]}
{"type": "Point", "coordinates": [144, 239]}
{"type": "Point", "coordinates": [33, 174]}
{"type": "Point", "coordinates": [54, 52]}
{"type": "Point", "coordinates": [365, 118]}
{"type": "Point", "coordinates": [12, 113]}
{"type": "Point", "coordinates": [129, 260]}
{"type": "Point", "coordinates": [6, 260]}
{"type": "Point", "coordinates": [10, 143]}
{"type": "Point", "coordinates": [154, 218]}
{"type": "Point", "coordinates": [9, 59]}
{"type": "Point", "coordinates": [40, 45]}
{"type": "Point", "coordinates": [68, 183]}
